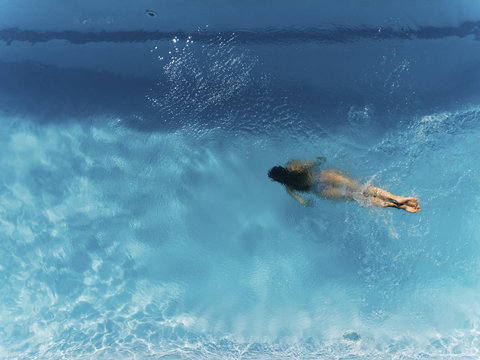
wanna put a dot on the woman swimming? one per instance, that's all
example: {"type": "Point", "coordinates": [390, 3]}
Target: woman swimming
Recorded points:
{"type": "Point", "coordinates": [306, 177]}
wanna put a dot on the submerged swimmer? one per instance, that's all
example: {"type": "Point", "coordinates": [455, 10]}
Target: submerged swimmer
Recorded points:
{"type": "Point", "coordinates": [307, 177]}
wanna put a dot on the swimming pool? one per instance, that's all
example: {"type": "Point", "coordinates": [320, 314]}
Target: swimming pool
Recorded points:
{"type": "Point", "coordinates": [137, 219]}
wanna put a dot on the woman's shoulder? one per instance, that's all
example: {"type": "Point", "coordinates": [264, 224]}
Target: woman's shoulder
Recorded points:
{"type": "Point", "coordinates": [300, 165]}
{"type": "Point", "coordinates": [295, 165]}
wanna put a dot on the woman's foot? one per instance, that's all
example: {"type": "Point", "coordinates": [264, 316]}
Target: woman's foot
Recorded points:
{"type": "Point", "coordinates": [400, 200]}
{"type": "Point", "coordinates": [410, 205]}
{"type": "Point", "coordinates": [410, 209]}
{"type": "Point", "coordinates": [384, 203]}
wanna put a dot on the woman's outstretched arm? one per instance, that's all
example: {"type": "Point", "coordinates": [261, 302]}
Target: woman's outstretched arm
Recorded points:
{"type": "Point", "coordinates": [296, 197]}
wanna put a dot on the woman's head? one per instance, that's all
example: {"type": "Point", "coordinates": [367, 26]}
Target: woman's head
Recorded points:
{"type": "Point", "coordinates": [278, 173]}
{"type": "Point", "coordinates": [296, 180]}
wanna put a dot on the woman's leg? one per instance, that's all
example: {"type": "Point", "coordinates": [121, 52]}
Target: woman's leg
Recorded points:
{"type": "Point", "coordinates": [338, 193]}
{"type": "Point", "coordinates": [342, 187]}
{"type": "Point", "coordinates": [383, 203]}
{"type": "Point", "coordinates": [385, 195]}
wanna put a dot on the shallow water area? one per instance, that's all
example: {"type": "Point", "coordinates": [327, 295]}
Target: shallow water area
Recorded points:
{"type": "Point", "coordinates": [98, 227]}
{"type": "Point", "coordinates": [137, 219]}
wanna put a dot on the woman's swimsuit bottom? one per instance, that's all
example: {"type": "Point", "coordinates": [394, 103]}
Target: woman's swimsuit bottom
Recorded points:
{"type": "Point", "coordinates": [320, 185]}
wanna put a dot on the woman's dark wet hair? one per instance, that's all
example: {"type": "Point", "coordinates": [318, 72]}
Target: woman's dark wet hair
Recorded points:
{"type": "Point", "coordinates": [296, 180]}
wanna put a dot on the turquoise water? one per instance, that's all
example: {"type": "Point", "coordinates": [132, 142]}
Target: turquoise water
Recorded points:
{"type": "Point", "coordinates": [119, 242]}
{"type": "Point", "coordinates": [137, 220]}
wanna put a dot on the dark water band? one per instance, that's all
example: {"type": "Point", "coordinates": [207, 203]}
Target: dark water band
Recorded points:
{"type": "Point", "coordinates": [336, 34]}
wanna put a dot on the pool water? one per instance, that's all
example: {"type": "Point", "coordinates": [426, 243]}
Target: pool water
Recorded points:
{"type": "Point", "coordinates": [137, 220]}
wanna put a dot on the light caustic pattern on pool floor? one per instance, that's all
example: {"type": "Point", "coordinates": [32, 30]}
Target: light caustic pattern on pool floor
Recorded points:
{"type": "Point", "coordinates": [124, 244]}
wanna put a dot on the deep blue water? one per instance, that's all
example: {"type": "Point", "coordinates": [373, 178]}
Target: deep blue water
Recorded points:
{"type": "Point", "coordinates": [136, 217]}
